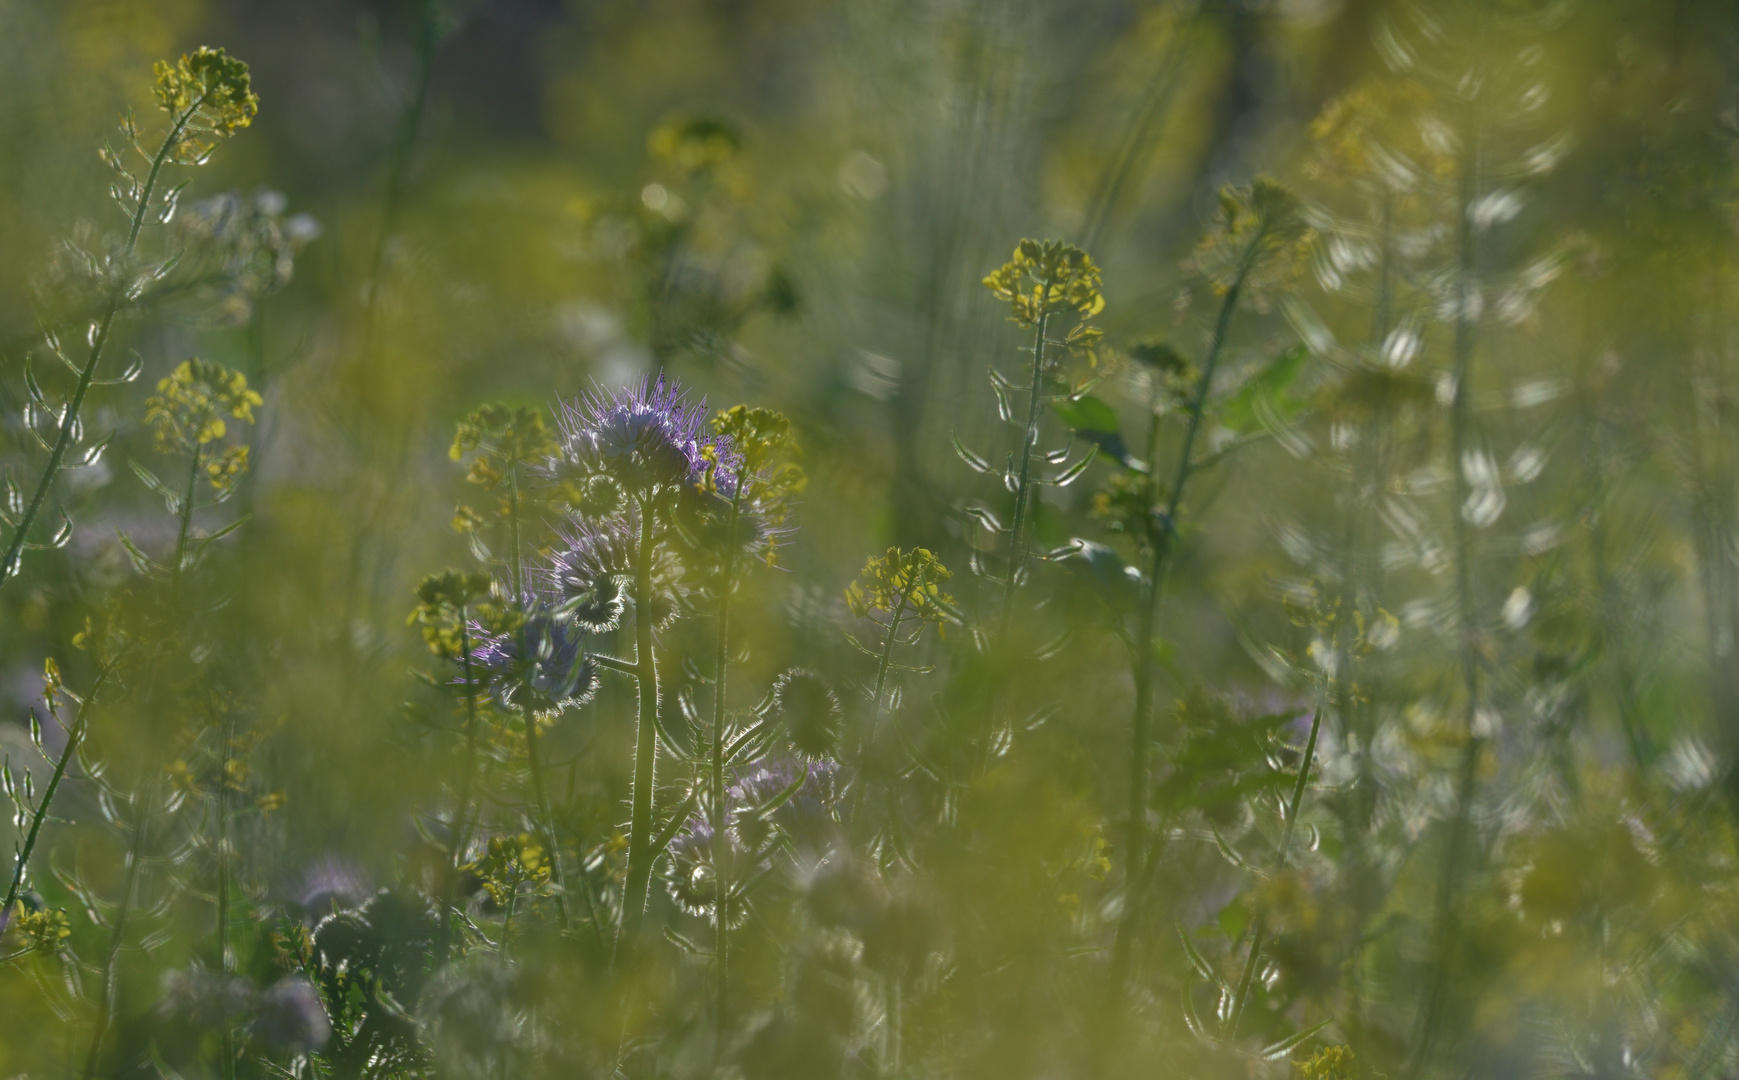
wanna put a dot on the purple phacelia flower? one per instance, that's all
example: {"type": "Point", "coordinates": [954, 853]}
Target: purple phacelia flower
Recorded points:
{"type": "Point", "coordinates": [647, 436]}
{"type": "Point", "coordinates": [807, 816]}
{"type": "Point", "coordinates": [554, 668]}
{"type": "Point", "coordinates": [291, 1017]}
{"type": "Point", "coordinates": [592, 569]}
{"type": "Point", "coordinates": [693, 870]}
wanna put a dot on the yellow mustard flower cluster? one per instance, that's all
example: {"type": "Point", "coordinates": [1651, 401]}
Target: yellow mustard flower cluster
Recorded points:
{"type": "Point", "coordinates": [191, 403]}
{"type": "Point", "coordinates": [211, 83]}
{"type": "Point", "coordinates": [901, 580]}
{"type": "Point", "coordinates": [511, 862]}
{"type": "Point", "coordinates": [445, 604]}
{"type": "Point", "coordinates": [1330, 1063]}
{"type": "Point", "coordinates": [765, 440]}
{"type": "Point", "coordinates": [1262, 240]}
{"type": "Point", "coordinates": [43, 933]}
{"type": "Point", "coordinates": [1045, 277]}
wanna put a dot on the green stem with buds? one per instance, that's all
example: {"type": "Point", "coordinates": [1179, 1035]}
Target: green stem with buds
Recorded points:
{"type": "Point", "coordinates": [75, 735]}
{"type": "Point", "coordinates": [9, 565]}
{"type": "Point", "coordinates": [185, 527]}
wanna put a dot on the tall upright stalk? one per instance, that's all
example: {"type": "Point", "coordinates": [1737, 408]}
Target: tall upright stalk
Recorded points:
{"type": "Point", "coordinates": [721, 844]}
{"type": "Point", "coordinates": [1446, 916]}
{"type": "Point", "coordinates": [117, 936]}
{"type": "Point", "coordinates": [460, 824]}
{"type": "Point", "coordinates": [225, 956]}
{"type": "Point", "coordinates": [184, 528]}
{"type": "Point", "coordinates": [1363, 568]}
{"type": "Point", "coordinates": [883, 663]}
{"type": "Point", "coordinates": [9, 565]}
{"type": "Point", "coordinates": [1259, 930]}
{"type": "Point", "coordinates": [533, 756]}
{"type": "Point", "coordinates": [640, 853]}
{"type": "Point", "coordinates": [1029, 436]}
{"type": "Point", "coordinates": [1153, 597]}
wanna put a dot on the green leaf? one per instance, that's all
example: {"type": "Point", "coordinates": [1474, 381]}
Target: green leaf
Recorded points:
{"type": "Point", "coordinates": [141, 562]}
{"type": "Point", "coordinates": [1087, 414]}
{"type": "Point", "coordinates": [1291, 1042]}
{"type": "Point", "coordinates": [1203, 968]}
{"type": "Point", "coordinates": [1266, 396]}
{"type": "Point", "coordinates": [677, 821]}
{"type": "Point", "coordinates": [1233, 920]}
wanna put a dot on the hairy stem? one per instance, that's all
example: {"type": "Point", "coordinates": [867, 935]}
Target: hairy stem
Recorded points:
{"type": "Point", "coordinates": [721, 847]}
{"type": "Point", "coordinates": [640, 853]}
{"type": "Point", "coordinates": [9, 565]}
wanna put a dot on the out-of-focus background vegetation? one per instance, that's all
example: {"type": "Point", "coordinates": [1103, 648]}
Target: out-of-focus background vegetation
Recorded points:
{"type": "Point", "coordinates": [1516, 851]}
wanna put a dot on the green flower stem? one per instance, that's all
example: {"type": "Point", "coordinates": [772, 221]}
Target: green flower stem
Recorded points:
{"type": "Point", "coordinates": [869, 740]}
{"type": "Point", "coordinates": [74, 737]}
{"type": "Point", "coordinates": [460, 824]}
{"type": "Point", "coordinates": [640, 853]}
{"type": "Point", "coordinates": [117, 936]}
{"type": "Point", "coordinates": [185, 527]}
{"type": "Point", "coordinates": [721, 848]}
{"type": "Point", "coordinates": [1030, 435]}
{"type": "Point", "coordinates": [225, 957]}
{"type": "Point", "coordinates": [1158, 570]}
{"type": "Point", "coordinates": [1259, 931]}
{"type": "Point", "coordinates": [1460, 419]}
{"type": "Point", "coordinates": [9, 566]}
{"type": "Point", "coordinates": [533, 756]}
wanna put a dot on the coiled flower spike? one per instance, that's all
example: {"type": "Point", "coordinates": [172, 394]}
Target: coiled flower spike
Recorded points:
{"type": "Point", "coordinates": [647, 436]}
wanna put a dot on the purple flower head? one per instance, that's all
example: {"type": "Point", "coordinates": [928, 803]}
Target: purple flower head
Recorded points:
{"type": "Point", "coordinates": [806, 816]}
{"type": "Point", "coordinates": [645, 435]}
{"type": "Point", "coordinates": [203, 998]}
{"type": "Point", "coordinates": [291, 1017]}
{"type": "Point", "coordinates": [593, 567]}
{"type": "Point", "coordinates": [692, 871]}
{"type": "Point", "coordinates": [554, 668]}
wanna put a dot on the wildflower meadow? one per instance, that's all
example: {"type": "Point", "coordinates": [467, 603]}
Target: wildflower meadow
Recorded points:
{"type": "Point", "coordinates": [793, 540]}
